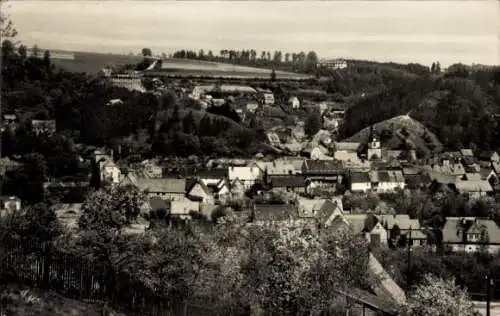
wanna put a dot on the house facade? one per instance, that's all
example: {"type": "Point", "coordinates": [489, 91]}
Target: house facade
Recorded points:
{"type": "Point", "coordinates": [9, 204]}
{"type": "Point", "coordinates": [248, 175]}
{"type": "Point", "coordinates": [471, 234]}
{"type": "Point", "coordinates": [359, 182]}
{"type": "Point", "coordinates": [166, 188]}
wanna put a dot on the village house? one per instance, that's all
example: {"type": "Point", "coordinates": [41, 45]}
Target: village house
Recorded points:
{"type": "Point", "coordinates": [273, 138]}
{"type": "Point", "coordinates": [366, 225]}
{"type": "Point", "coordinates": [447, 167]}
{"type": "Point", "coordinates": [323, 211]}
{"type": "Point", "coordinates": [360, 181]}
{"type": "Point", "coordinates": [199, 191]}
{"type": "Point", "coordinates": [165, 188]}
{"type": "Point", "coordinates": [336, 64]}
{"type": "Point", "coordinates": [278, 167]}
{"type": "Point", "coordinates": [294, 102]}
{"type": "Point", "coordinates": [237, 189]}
{"type": "Point", "coordinates": [289, 183]}
{"type": "Point", "coordinates": [488, 174]}
{"type": "Point", "coordinates": [182, 208]}
{"type": "Point", "coordinates": [473, 189]}
{"type": "Point", "coordinates": [109, 171]}
{"type": "Point", "coordinates": [322, 173]}
{"type": "Point", "coordinates": [387, 180]}
{"type": "Point", "coordinates": [9, 204]}
{"type": "Point", "coordinates": [248, 175]}
{"type": "Point", "coordinates": [405, 224]}
{"type": "Point", "coordinates": [9, 121]}
{"type": "Point", "coordinates": [471, 234]}
{"type": "Point", "coordinates": [47, 127]}
{"type": "Point", "coordinates": [266, 97]}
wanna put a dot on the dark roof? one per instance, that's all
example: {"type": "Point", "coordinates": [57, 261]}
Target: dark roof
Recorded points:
{"type": "Point", "coordinates": [5, 198]}
{"type": "Point", "coordinates": [287, 181]}
{"type": "Point", "coordinates": [360, 177]}
{"type": "Point", "coordinates": [322, 166]}
{"type": "Point", "coordinates": [274, 212]}
{"type": "Point", "coordinates": [164, 185]}
{"type": "Point", "coordinates": [216, 173]}
{"type": "Point", "coordinates": [383, 176]}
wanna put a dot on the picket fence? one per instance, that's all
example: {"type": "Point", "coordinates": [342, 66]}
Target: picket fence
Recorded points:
{"type": "Point", "coordinates": [81, 278]}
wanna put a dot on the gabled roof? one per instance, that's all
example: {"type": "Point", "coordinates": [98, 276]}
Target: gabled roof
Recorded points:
{"type": "Point", "coordinates": [322, 166]}
{"type": "Point", "coordinates": [347, 146]}
{"type": "Point", "coordinates": [360, 177]}
{"type": "Point", "coordinates": [466, 186]}
{"type": "Point", "coordinates": [164, 185]}
{"type": "Point", "coordinates": [215, 173]}
{"type": "Point", "coordinates": [203, 186]}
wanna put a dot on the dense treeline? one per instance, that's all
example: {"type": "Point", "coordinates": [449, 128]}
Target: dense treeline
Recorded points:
{"type": "Point", "coordinates": [398, 100]}
{"type": "Point", "coordinates": [297, 62]}
{"type": "Point", "coordinates": [190, 132]}
{"type": "Point", "coordinates": [458, 109]}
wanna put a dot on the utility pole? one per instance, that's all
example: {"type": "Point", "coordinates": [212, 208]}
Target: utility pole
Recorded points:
{"type": "Point", "coordinates": [408, 276]}
{"type": "Point", "coordinates": [489, 282]}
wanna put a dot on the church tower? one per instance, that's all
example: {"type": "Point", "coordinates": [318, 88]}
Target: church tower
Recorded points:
{"type": "Point", "coordinates": [374, 148]}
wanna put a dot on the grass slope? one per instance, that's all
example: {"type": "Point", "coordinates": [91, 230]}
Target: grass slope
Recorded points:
{"type": "Point", "coordinates": [415, 129]}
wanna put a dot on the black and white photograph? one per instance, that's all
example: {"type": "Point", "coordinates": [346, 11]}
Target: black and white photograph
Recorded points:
{"type": "Point", "coordinates": [250, 158]}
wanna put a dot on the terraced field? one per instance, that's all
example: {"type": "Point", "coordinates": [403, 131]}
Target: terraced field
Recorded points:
{"type": "Point", "coordinates": [94, 62]}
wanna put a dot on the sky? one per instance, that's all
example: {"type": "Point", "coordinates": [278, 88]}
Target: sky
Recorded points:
{"type": "Point", "coordinates": [399, 31]}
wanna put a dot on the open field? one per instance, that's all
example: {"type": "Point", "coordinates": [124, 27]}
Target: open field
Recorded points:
{"type": "Point", "coordinates": [94, 62]}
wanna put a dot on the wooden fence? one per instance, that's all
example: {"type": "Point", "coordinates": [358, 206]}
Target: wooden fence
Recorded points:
{"type": "Point", "coordinates": [84, 279]}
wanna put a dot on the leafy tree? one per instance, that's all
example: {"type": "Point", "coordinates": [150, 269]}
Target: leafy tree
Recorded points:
{"type": "Point", "coordinates": [35, 50]}
{"type": "Point", "coordinates": [108, 211]}
{"type": "Point", "coordinates": [7, 29]}
{"type": "Point", "coordinates": [312, 124]}
{"type": "Point", "coordinates": [147, 52]}
{"type": "Point", "coordinates": [273, 75]}
{"type": "Point", "coordinates": [435, 296]}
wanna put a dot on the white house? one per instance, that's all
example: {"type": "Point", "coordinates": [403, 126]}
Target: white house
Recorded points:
{"type": "Point", "coordinates": [360, 182]}
{"type": "Point", "coordinates": [294, 102]}
{"type": "Point", "coordinates": [248, 175]}
{"type": "Point", "coordinates": [110, 171]}
{"type": "Point", "coordinates": [182, 208]}
{"type": "Point", "coordinates": [9, 204]}
{"type": "Point", "coordinates": [387, 180]}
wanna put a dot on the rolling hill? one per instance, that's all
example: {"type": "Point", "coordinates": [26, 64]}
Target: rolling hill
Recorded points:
{"type": "Point", "coordinates": [400, 129]}
{"type": "Point", "coordinates": [94, 62]}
